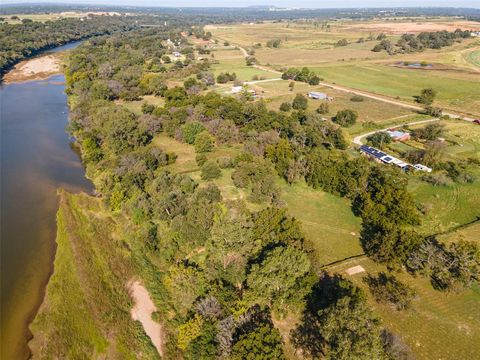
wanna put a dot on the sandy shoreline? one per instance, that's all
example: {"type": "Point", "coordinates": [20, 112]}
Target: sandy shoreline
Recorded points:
{"type": "Point", "coordinates": [38, 68]}
{"type": "Point", "coordinates": [142, 311]}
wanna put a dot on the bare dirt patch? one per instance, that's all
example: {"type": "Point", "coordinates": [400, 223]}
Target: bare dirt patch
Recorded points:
{"type": "Point", "coordinates": [38, 68]}
{"type": "Point", "coordinates": [143, 310]}
{"type": "Point", "coordinates": [355, 270]}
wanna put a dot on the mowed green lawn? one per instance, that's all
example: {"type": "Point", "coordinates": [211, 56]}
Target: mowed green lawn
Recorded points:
{"type": "Point", "coordinates": [327, 222]}
{"type": "Point", "coordinates": [455, 90]}
{"type": "Point", "coordinates": [447, 206]}
{"type": "Point", "coordinates": [438, 326]}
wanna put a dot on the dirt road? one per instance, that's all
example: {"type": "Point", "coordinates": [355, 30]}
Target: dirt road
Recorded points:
{"type": "Point", "coordinates": [362, 93]}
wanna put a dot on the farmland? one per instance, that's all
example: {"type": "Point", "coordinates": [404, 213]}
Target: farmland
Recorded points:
{"type": "Point", "coordinates": [454, 73]}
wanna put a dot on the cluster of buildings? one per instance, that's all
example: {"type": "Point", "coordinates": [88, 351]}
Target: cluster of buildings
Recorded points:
{"type": "Point", "coordinates": [385, 158]}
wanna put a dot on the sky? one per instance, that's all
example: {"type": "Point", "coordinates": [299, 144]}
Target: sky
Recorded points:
{"type": "Point", "coordinates": [280, 3]}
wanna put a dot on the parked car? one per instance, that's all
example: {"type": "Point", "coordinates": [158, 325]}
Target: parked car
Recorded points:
{"type": "Point", "coordinates": [477, 121]}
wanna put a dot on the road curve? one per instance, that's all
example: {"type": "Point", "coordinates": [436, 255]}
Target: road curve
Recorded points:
{"type": "Point", "coordinates": [358, 139]}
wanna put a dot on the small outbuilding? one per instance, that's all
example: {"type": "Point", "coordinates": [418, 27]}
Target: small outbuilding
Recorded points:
{"type": "Point", "coordinates": [398, 135]}
{"type": "Point", "coordinates": [318, 95]}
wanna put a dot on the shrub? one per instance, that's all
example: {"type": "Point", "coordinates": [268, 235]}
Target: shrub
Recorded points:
{"type": "Point", "coordinates": [324, 108]}
{"type": "Point", "coordinates": [210, 170]}
{"type": "Point", "coordinates": [387, 289]}
{"type": "Point", "coordinates": [203, 142]}
{"type": "Point", "coordinates": [285, 107]}
{"type": "Point", "coordinates": [439, 179]}
{"type": "Point", "coordinates": [346, 118]}
{"type": "Point", "coordinates": [300, 102]}
{"type": "Point", "coordinates": [225, 162]}
{"type": "Point", "coordinates": [190, 131]}
{"type": "Point", "coordinates": [379, 139]}
{"type": "Point", "coordinates": [427, 96]}
{"type": "Point", "coordinates": [433, 111]}
{"type": "Point", "coordinates": [200, 159]}
{"type": "Point", "coordinates": [357, 98]}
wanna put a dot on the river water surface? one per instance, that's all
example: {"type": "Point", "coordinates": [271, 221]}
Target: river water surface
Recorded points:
{"type": "Point", "coordinates": [36, 159]}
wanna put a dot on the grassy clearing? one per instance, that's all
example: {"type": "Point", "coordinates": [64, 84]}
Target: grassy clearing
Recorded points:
{"type": "Point", "coordinates": [239, 67]}
{"type": "Point", "coordinates": [468, 233]}
{"type": "Point", "coordinates": [446, 206]}
{"type": "Point", "coordinates": [86, 310]}
{"type": "Point", "coordinates": [371, 110]}
{"type": "Point", "coordinates": [438, 326]}
{"type": "Point", "coordinates": [136, 106]}
{"type": "Point", "coordinates": [473, 57]}
{"type": "Point", "coordinates": [327, 222]}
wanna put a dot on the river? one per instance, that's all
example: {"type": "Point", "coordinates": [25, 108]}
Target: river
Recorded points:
{"type": "Point", "coordinates": [36, 159]}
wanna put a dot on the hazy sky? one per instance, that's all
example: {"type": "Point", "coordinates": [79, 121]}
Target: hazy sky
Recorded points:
{"type": "Point", "coordinates": [283, 3]}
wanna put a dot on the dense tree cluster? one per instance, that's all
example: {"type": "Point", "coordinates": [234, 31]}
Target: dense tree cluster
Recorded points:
{"type": "Point", "coordinates": [20, 41]}
{"type": "Point", "coordinates": [304, 74]}
{"type": "Point", "coordinates": [410, 43]}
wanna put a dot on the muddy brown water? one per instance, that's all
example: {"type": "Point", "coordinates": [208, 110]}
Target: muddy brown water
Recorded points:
{"type": "Point", "coordinates": [36, 159]}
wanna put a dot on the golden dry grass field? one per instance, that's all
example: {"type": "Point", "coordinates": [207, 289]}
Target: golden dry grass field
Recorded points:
{"type": "Point", "coordinates": [454, 71]}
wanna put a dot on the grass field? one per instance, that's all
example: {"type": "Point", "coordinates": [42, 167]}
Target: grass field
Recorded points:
{"type": "Point", "coordinates": [327, 222]}
{"type": "Point", "coordinates": [455, 91]}
{"type": "Point", "coordinates": [356, 66]}
{"type": "Point", "coordinates": [243, 72]}
{"type": "Point", "coordinates": [467, 233]}
{"type": "Point", "coordinates": [438, 326]}
{"type": "Point", "coordinates": [376, 111]}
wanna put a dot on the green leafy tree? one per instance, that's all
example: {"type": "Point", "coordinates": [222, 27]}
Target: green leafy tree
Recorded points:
{"type": "Point", "coordinates": [262, 343]}
{"type": "Point", "coordinates": [285, 107]}
{"type": "Point", "coordinates": [279, 277]}
{"type": "Point", "coordinates": [203, 142]}
{"type": "Point", "coordinates": [281, 156]}
{"type": "Point", "coordinates": [323, 108]}
{"type": "Point", "coordinates": [388, 289]}
{"type": "Point", "coordinates": [300, 102]}
{"type": "Point", "coordinates": [346, 118]}
{"type": "Point", "coordinates": [350, 331]}
{"type": "Point", "coordinates": [379, 139]}
{"type": "Point", "coordinates": [427, 96]}
{"type": "Point", "coordinates": [210, 170]}
{"type": "Point", "coordinates": [230, 246]}
{"type": "Point", "coordinates": [190, 131]}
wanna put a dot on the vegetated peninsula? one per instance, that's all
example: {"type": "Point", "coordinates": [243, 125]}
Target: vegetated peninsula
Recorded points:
{"type": "Point", "coordinates": [259, 194]}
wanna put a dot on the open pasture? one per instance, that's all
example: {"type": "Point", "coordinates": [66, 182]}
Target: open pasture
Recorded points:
{"type": "Point", "coordinates": [457, 91]}
{"type": "Point", "coordinates": [455, 74]}
{"type": "Point", "coordinates": [369, 109]}
{"type": "Point", "coordinates": [438, 325]}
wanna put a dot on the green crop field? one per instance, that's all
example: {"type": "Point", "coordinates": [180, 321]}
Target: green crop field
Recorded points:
{"type": "Point", "coordinates": [238, 66]}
